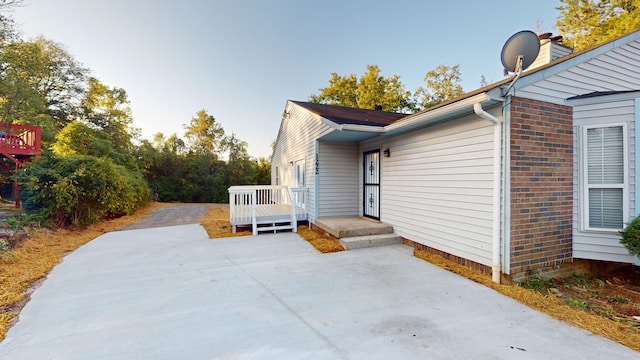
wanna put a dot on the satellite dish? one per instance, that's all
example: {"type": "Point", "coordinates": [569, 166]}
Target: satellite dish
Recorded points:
{"type": "Point", "coordinates": [520, 51]}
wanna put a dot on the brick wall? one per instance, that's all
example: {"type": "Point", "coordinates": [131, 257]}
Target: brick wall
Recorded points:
{"type": "Point", "coordinates": [541, 187]}
{"type": "Point", "coordinates": [484, 269]}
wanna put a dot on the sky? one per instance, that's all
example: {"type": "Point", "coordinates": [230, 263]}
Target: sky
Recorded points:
{"type": "Point", "coordinates": [241, 60]}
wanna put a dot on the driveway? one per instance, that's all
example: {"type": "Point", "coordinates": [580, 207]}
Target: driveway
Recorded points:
{"type": "Point", "coordinates": [172, 293]}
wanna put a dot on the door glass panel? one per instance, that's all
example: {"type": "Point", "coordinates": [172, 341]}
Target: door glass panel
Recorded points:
{"type": "Point", "coordinates": [371, 193]}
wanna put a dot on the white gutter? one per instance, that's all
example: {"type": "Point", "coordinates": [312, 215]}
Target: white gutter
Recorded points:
{"type": "Point", "coordinates": [411, 120]}
{"type": "Point", "coordinates": [497, 166]}
{"type": "Point", "coordinates": [435, 113]}
{"type": "Point", "coordinates": [331, 124]}
{"type": "Point", "coordinates": [352, 127]}
{"type": "Point", "coordinates": [363, 128]}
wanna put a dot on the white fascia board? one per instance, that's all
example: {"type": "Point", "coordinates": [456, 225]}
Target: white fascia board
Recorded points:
{"type": "Point", "coordinates": [331, 124]}
{"type": "Point", "coordinates": [627, 95]}
{"type": "Point", "coordinates": [363, 128]}
{"type": "Point", "coordinates": [427, 116]}
{"type": "Point", "coordinates": [352, 127]}
{"type": "Point", "coordinates": [413, 120]}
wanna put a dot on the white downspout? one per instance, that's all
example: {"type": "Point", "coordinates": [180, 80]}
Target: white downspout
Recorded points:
{"type": "Point", "coordinates": [497, 166]}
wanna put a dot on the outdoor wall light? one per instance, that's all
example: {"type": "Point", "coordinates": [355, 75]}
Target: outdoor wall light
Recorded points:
{"type": "Point", "coordinates": [290, 163]}
{"type": "Point", "coordinates": [387, 153]}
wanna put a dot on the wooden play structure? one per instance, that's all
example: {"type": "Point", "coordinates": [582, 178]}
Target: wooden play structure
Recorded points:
{"type": "Point", "coordinates": [19, 144]}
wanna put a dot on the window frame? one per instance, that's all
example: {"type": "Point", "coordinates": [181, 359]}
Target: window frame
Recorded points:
{"type": "Point", "coordinates": [299, 173]}
{"type": "Point", "coordinates": [585, 186]}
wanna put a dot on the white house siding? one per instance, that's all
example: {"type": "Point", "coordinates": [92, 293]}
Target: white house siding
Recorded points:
{"type": "Point", "coordinates": [613, 70]}
{"type": "Point", "coordinates": [557, 51]}
{"type": "Point", "coordinates": [549, 51]}
{"type": "Point", "coordinates": [338, 179]}
{"type": "Point", "coordinates": [296, 141]}
{"type": "Point", "coordinates": [436, 186]}
{"type": "Point", "coordinates": [544, 56]}
{"type": "Point", "coordinates": [595, 245]}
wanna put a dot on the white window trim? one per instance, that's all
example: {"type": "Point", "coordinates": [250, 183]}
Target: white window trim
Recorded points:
{"type": "Point", "coordinates": [302, 165]}
{"type": "Point", "coordinates": [584, 186]}
{"type": "Point", "coordinates": [296, 173]}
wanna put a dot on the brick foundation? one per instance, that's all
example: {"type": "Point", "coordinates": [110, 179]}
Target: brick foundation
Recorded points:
{"type": "Point", "coordinates": [456, 259]}
{"type": "Point", "coordinates": [541, 188]}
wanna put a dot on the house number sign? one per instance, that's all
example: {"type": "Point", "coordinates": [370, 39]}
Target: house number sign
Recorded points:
{"type": "Point", "coordinates": [317, 165]}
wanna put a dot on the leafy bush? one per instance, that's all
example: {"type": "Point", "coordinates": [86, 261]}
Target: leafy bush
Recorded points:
{"type": "Point", "coordinates": [80, 190]}
{"type": "Point", "coordinates": [630, 236]}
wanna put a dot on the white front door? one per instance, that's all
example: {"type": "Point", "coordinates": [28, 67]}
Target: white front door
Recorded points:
{"type": "Point", "coordinates": [371, 195]}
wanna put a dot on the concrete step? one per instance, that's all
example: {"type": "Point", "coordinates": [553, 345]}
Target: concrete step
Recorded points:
{"type": "Point", "coordinates": [350, 227]}
{"type": "Point", "coordinates": [356, 242]}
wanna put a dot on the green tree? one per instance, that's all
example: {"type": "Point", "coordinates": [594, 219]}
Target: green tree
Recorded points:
{"type": "Point", "coordinates": [586, 23]}
{"type": "Point", "coordinates": [342, 91]}
{"type": "Point", "coordinates": [40, 84]}
{"type": "Point", "coordinates": [147, 156]}
{"type": "Point", "coordinates": [21, 70]}
{"type": "Point", "coordinates": [371, 91]}
{"type": "Point", "coordinates": [205, 135]}
{"type": "Point", "coordinates": [80, 139]}
{"type": "Point", "coordinates": [175, 145]}
{"type": "Point", "coordinates": [168, 168]}
{"type": "Point", "coordinates": [63, 84]}
{"type": "Point", "coordinates": [108, 109]}
{"type": "Point", "coordinates": [263, 169]}
{"type": "Point", "coordinates": [241, 169]}
{"type": "Point", "coordinates": [441, 84]}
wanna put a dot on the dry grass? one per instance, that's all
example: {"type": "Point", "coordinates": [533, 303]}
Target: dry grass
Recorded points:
{"type": "Point", "coordinates": [40, 252]}
{"type": "Point", "coordinates": [548, 304]}
{"type": "Point", "coordinates": [322, 243]}
{"type": "Point", "coordinates": [216, 223]}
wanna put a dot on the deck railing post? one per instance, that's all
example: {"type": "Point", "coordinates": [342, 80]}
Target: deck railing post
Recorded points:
{"type": "Point", "coordinates": [294, 216]}
{"type": "Point", "coordinates": [254, 221]}
{"type": "Point", "coordinates": [232, 209]}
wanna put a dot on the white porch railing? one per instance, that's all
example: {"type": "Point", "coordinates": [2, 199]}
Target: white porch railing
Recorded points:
{"type": "Point", "coordinates": [267, 207]}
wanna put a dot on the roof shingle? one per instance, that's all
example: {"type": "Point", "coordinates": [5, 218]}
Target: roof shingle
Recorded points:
{"type": "Point", "coordinates": [345, 115]}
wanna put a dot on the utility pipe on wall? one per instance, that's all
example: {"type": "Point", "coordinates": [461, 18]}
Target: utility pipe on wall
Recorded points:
{"type": "Point", "coordinates": [497, 152]}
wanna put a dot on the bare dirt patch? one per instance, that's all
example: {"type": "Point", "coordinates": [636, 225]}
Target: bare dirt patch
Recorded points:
{"type": "Point", "coordinates": [613, 294]}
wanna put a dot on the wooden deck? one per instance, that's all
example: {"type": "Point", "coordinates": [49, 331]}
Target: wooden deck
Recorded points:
{"type": "Point", "coordinates": [19, 140]}
{"type": "Point", "coordinates": [266, 208]}
{"type": "Point", "coordinates": [272, 212]}
{"type": "Point", "coordinates": [271, 215]}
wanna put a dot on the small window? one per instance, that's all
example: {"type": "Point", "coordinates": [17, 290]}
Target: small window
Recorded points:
{"type": "Point", "coordinates": [605, 174]}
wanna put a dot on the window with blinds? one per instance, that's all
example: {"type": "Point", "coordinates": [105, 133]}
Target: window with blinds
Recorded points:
{"type": "Point", "coordinates": [605, 174]}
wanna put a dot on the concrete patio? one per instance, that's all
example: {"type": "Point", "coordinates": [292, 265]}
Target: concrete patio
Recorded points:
{"type": "Point", "coordinates": [172, 293]}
